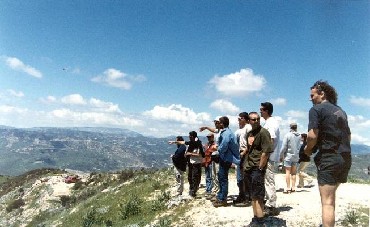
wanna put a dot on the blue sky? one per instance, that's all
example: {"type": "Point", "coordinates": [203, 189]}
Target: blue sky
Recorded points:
{"type": "Point", "coordinates": [168, 67]}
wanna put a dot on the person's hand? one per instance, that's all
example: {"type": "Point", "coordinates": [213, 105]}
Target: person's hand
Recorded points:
{"type": "Point", "coordinates": [171, 142]}
{"type": "Point", "coordinates": [201, 129]}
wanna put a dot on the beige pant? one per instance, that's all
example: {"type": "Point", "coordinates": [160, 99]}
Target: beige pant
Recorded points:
{"type": "Point", "coordinates": [270, 185]}
{"type": "Point", "coordinates": [302, 175]}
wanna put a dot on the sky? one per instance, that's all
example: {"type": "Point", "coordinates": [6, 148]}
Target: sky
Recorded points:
{"type": "Point", "coordinates": [164, 68]}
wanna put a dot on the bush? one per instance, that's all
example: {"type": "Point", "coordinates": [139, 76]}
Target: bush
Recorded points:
{"type": "Point", "coordinates": [132, 207]}
{"type": "Point", "coordinates": [67, 201]}
{"type": "Point", "coordinates": [15, 204]}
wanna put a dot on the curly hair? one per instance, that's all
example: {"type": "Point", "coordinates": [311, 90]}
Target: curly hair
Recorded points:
{"type": "Point", "coordinates": [330, 92]}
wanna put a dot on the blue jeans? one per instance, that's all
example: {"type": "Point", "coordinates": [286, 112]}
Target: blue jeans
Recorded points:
{"type": "Point", "coordinates": [223, 180]}
{"type": "Point", "coordinates": [209, 183]}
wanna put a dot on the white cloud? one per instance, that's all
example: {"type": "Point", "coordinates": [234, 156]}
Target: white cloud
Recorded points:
{"type": "Point", "coordinates": [115, 78]}
{"type": "Point", "coordinates": [18, 94]}
{"type": "Point", "coordinates": [102, 106]}
{"type": "Point", "coordinates": [48, 100]}
{"type": "Point", "coordinates": [297, 114]}
{"type": "Point", "coordinates": [224, 106]}
{"type": "Point", "coordinates": [74, 99]}
{"type": "Point", "coordinates": [359, 101]}
{"type": "Point", "coordinates": [279, 102]}
{"type": "Point", "coordinates": [177, 113]}
{"type": "Point", "coordinates": [18, 65]}
{"type": "Point", "coordinates": [240, 83]}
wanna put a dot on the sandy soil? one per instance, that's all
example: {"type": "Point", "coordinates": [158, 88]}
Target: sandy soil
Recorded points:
{"type": "Point", "coordinates": [301, 208]}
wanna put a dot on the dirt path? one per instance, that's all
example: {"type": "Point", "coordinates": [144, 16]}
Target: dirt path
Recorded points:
{"type": "Point", "coordinates": [301, 208]}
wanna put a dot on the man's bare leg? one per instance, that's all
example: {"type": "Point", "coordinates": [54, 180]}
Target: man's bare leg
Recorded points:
{"type": "Point", "coordinates": [327, 193]}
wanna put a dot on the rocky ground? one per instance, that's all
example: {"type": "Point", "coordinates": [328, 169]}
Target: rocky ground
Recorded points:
{"type": "Point", "coordinates": [301, 208]}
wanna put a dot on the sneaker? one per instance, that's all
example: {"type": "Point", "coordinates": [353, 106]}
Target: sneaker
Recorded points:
{"type": "Point", "coordinates": [220, 203]}
{"type": "Point", "coordinates": [271, 211]}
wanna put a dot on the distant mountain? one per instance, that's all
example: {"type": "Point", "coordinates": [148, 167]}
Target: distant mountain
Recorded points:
{"type": "Point", "coordinates": [85, 149]}
{"type": "Point", "coordinates": [360, 149]}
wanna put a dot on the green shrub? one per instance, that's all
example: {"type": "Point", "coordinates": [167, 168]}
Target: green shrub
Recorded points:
{"type": "Point", "coordinates": [164, 222]}
{"type": "Point", "coordinates": [78, 185]}
{"type": "Point", "coordinates": [160, 202]}
{"type": "Point", "coordinates": [90, 219]}
{"type": "Point", "coordinates": [132, 207]}
{"type": "Point", "coordinates": [358, 216]}
{"type": "Point", "coordinates": [67, 201]}
{"type": "Point", "coordinates": [15, 204]}
{"type": "Point", "coordinates": [156, 185]}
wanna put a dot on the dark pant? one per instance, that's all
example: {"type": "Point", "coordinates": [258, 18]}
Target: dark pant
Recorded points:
{"type": "Point", "coordinates": [332, 168]}
{"type": "Point", "coordinates": [194, 177]}
{"type": "Point", "coordinates": [223, 180]}
{"type": "Point", "coordinates": [256, 182]}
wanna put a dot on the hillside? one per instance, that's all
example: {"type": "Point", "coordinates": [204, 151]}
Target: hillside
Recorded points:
{"type": "Point", "coordinates": [147, 198]}
{"type": "Point", "coordinates": [100, 150]}
{"type": "Point", "coordinates": [84, 149]}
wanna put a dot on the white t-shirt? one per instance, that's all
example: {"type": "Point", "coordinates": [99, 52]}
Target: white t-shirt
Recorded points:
{"type": "Point", "coordinates": [272, 125]}
{"type": "Point", "coordinates": [241, 135]}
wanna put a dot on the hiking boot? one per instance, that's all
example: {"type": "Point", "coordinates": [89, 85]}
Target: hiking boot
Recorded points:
{"type": "Point", "coordinates": [271, 211]}
{"type": "Point", "coordinates": [239, 201]}
{"type": "Point", "coordinates": [220, 203]}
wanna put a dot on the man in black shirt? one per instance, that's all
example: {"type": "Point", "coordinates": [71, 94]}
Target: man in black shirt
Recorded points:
{"type": "Point", "coordinates": [328, 130]}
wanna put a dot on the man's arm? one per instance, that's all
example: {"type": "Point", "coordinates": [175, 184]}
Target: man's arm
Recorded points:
{"type": "Point", "coordinates": [201, 129]}
{"type": "Point", "coordinates": [264, 160]}
{"type": "Point", "coordinates": [312, 136]}
{"type": "Point", "coordinates": [176, 142]}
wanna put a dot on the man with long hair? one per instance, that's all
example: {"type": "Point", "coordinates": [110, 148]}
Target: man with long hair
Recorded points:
{"type": "Point", "coordinates": [328, 129]}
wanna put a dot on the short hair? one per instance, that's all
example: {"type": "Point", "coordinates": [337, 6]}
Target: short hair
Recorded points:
{"type": "Point", "coordinates": [255, 113]}
{"type": "Point", "coordinates": [179, 138]}
{"type": "Point", "coordinates": [244, 115]}
{"type": "Point", "coordinates": [225, 121]}
{"type": "Point", "coordinates": [268, 106]}
{"type": "Point", "coordinates": [330, 92]}
{"type": "Point", "coordinates": [193, 134]}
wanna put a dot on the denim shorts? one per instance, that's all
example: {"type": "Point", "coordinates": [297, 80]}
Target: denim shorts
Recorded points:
{"type": "Point", "coordinates": [332, 168]}
{"type": "Point", "coordinates": [256, 182]}
{"type": "Point", "coordinates": [290, 163]}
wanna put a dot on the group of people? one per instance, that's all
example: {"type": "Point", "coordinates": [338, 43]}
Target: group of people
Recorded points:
{"type": "Point", "coordinates": [254, 151]}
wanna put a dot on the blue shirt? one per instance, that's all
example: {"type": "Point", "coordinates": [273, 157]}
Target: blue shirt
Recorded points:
{"type": "Point", "coordinates": [228, 147]}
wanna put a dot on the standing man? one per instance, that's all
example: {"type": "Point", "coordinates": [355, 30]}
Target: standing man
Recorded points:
{"type": "Point", "coordinates": [290, 155]}
{"type": "Point", "coordinates": [215, 156]}
{"type": "Point", "coordinates": [179, 161]}
{"type": "Point", "coordinates": [195, 154]}
{"type": "Point", "coordinates": [328, 129]}
{"type": "Point", "coordinates": [304, 161]}
{"type": "Point", "coordinates": [241, 135]}
{"type": "Point", "coordinates": [209, 148]}
{"type": "Point", "coordinates": [272, 125]}
{"type": "Point", "coordinates": [228, 150]}
{"type": "Point", "coordinates": [255, 164]}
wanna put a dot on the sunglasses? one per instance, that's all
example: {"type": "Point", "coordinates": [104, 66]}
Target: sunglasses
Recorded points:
{"type": "Point", "coordinates": [262, 109]}
{"type": "Point", "coordinates": [254, 119]}
{"type": "Point", "coordinates": [240, 118]}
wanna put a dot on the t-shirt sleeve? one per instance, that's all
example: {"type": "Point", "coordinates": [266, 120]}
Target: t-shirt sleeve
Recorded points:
{"type": "Point", "coordinates": [313, 119]}
{"type": "Point", "coordinates": [266, 144]}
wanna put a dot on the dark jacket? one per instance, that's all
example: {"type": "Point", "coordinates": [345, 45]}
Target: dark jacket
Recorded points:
{"type": "Point", "coordinates": [178, 159]}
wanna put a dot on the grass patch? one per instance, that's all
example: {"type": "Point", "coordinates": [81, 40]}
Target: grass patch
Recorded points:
{"type": "Point", "coordinates": [123, 205]}
{"type": "Point", "coordinates": [356, 216]}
